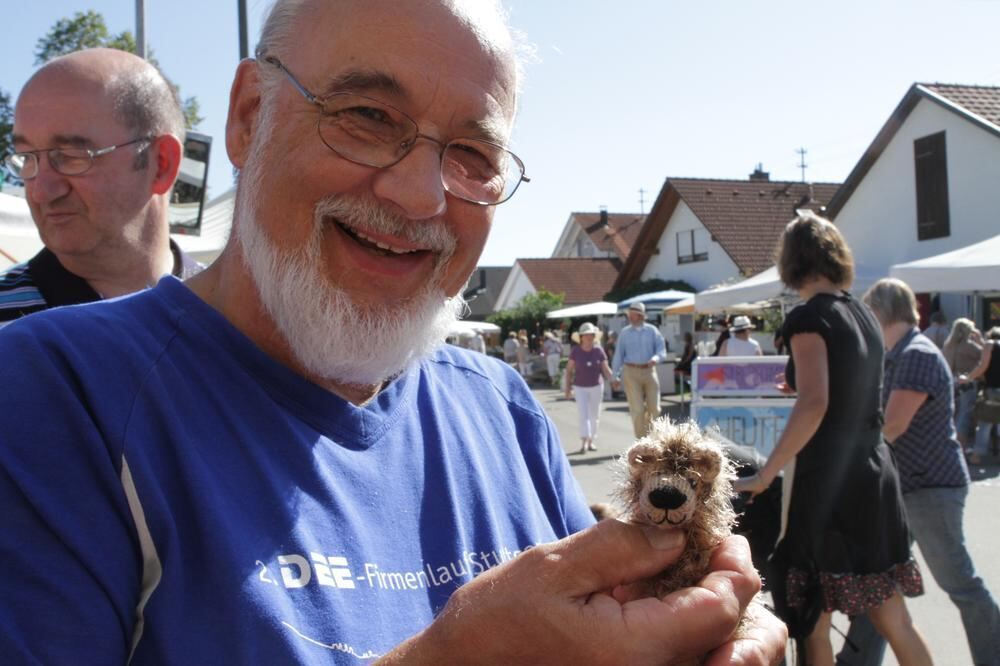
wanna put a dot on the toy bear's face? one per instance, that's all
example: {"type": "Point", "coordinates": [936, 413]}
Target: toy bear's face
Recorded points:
{"type": "Point", "coordinates": [670, 480]}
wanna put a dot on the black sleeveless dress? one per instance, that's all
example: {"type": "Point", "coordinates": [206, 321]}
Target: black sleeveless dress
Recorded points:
{"type": "Point", "coordinates": [846, 544]}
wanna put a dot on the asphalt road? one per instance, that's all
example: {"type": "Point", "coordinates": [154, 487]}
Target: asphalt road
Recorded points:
{"type": "Point", "coordinates": [933, 613]}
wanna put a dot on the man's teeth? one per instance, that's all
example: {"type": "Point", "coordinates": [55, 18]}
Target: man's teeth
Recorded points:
{"type": "Point", "coordinates": [380, 245]}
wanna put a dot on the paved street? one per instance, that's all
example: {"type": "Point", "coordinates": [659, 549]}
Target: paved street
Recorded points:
{"type": "Point", "coordinates": [933, 613]}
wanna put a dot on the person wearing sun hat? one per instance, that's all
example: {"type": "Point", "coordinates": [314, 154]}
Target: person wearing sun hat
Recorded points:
{"type": "Point", "coordinates": [640, 347]}
{"type": "Point", "coordinates": [585, 372]}
{"type": "Point", "coordinates": [552, 351]}
{"type": "Point", "coordinates": [740, 343]}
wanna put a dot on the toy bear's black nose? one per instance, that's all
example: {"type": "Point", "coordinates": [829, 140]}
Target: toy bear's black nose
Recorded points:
{"type": "Point", "coordinates": [667, 498]}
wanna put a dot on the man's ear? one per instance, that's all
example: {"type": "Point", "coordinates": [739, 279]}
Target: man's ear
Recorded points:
{"type": "Point", "coordinates": [167, 152]}
{"type": "Point", "coordinates": [244, 102]}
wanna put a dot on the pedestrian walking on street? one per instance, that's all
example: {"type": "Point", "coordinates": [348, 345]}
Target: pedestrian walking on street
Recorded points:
{"type": "Point", "coordinates": [585, 373]}
{"type": "Point", "coordinates": [640, 347]}
{"type": "Point", "coordinates": [917, 397]}
{"type": "Point", "coordinates": [962, 350]}
{"type": "Point", "coordinates": [552, 349]}
{"type": "Point", "coordinates": [988, 371]}
{"type": "Point", "coordinates": [844, 544]}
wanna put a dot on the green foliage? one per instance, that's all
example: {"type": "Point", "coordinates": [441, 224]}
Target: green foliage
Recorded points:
{"type": "Point", "coordinates": [191, 107]}
{"type": "Point", "coordinates": [645, 287]}
{"type": "Point", "coordinates": [6, 128]}
{"type": "Point", "coordinates": [529, 314]}
{"type": "Point", "coordinates": [87, 30]}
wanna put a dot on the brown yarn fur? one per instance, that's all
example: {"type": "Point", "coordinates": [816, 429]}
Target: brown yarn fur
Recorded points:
{"type": "Point", "coordinates": [682, 461]}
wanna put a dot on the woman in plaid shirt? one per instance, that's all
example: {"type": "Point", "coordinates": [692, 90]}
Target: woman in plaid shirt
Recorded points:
{"type": "Point", "coordinates": [919, 405]}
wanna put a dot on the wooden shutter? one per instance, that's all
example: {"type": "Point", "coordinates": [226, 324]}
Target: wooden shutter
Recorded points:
{"type": "Point", "coordinates": [931, 162]}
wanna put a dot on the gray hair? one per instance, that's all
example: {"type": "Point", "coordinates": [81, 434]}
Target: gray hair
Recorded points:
{"type": "Point", "coordinates": [490, 21]}
{"type": "Point", "coordinates": [147, 103]}
{"type": "Point", "coordinates": [892, 301]}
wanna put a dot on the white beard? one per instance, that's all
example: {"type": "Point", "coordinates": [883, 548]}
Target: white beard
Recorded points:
{"type": "Point", "coordinates": [330, 335]}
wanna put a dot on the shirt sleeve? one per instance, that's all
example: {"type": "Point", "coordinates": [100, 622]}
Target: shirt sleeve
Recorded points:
{"type": "Point", "coordinates": [71, 560]}
{"type": "Point", "coordinates": [917, 370]}
{"type": "Point", "coordinates": [803, 319]}
{"type": "Point", "coordinates": [660, 345]}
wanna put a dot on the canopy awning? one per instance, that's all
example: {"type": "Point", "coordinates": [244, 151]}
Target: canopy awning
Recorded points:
{"type": "Point", "coordinates": [974, 267]}
{"type": "Point", "coordinates": [765, 287]}
{"type": "Point", "coordinates": [655, 299]}
{"type": "Point", "coordinates": [468, 327]}
{"type": "Point", "coordinates": [683, 306]}
{"type": "Point", "coordinates": [585, 310]}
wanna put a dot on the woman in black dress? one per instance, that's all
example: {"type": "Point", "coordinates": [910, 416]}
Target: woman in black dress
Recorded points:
{"type": "Point", "coordinates": [844, 544]}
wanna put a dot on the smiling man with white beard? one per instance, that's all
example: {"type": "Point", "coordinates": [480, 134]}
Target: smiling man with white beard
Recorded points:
{"type": "Point", "coordinates": [276, 462]}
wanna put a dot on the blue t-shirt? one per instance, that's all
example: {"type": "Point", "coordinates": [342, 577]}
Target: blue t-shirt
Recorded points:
{"type": "Point", "coordinates": [170, 490]}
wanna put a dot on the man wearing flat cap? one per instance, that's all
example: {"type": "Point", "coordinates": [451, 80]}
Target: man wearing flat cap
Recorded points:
{"type": "Point", "coordinates": [640, 347]}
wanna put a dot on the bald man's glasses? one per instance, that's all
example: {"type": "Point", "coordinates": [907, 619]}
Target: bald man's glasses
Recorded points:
{"type": "Point", "coordinates": [372, 133]}
{"type": "Point", "coordinates": [67, 161]}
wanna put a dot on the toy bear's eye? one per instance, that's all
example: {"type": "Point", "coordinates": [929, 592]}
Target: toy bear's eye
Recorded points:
{"type": "Point", "coordinates": [693, 481]}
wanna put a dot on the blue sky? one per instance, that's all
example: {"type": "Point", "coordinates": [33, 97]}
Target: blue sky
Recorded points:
{"type": "Point", "coordinates": [621, 95]}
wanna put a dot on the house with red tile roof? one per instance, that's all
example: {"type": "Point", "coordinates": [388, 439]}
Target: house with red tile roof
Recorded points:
{"type": "Point", "coordinates": [600, 234]}
{"type": "Point", "coordinates": [580, 279]}
{"type": "Point", "coordinates": [707, 231]}
{"type": "Point", "coordinates": [584, 264]}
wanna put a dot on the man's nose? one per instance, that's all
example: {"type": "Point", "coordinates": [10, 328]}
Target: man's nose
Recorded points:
{"type": "Point", "coordinates": [414, 183]}
{"type": "Point", "coordinates": [47, 185]}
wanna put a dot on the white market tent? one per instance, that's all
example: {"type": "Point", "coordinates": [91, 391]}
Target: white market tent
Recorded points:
{"type": "Point", "coordinates": [19, 239]}
{"type": "Point", "coordinates": [465, 327]}
{"type": "Point", "coordinates": [585, 310]}
{"type": "Point", "coordinates": [757, 291]}
{"type": "Point", "coordinates": [763, 286]}
{"type": "Point", "coordinates": [974, 267]}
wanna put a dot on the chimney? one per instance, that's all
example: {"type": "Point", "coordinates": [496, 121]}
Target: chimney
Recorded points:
{"type": "Point", "coordinates": [759, 174]}
{"type": "Point", "coordinates": [604, 216]}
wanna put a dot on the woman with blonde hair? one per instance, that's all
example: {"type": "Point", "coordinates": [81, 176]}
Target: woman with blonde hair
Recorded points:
{"type": "Point", "coordinates": [917, 399]}
{"type": "Point", "coordinates": [844, 544]}
{"type": "Point", "coordinates": [962, 350]}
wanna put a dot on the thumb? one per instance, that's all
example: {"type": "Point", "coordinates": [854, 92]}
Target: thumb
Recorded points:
{"type": "Point", "coordinates": [613, 553]}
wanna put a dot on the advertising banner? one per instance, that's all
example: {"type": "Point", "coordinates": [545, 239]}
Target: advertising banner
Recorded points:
{"type": "Point", "coordinates": [747, 422]}
{"type": "Point", "coordinates": [725, 376]}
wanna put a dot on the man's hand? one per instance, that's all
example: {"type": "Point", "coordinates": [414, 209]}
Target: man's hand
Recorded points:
{"type": "Point", "coordinates": [616, 385]}
{"type": "Point", "coordinates": [568, 603]}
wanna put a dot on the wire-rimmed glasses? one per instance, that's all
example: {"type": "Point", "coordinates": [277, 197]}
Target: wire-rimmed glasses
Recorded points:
{"type": "Point", "coordinates": [67, 161]}
{"type": "Point", "coordinates": [372, 133]}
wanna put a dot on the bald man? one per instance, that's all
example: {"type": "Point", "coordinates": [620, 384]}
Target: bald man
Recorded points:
{"type": "Point", "coordinates": [277, 461]}
{"type": "Point", "coordinates": [98, 138]}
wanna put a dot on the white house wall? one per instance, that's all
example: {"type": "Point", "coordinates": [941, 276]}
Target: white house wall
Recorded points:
{"type": "Point", "coordinates": [879, 221]}
{"type": "Point", "coordinates": [514, 289]}
{"type": "Point", "coordinates": [699, 274]}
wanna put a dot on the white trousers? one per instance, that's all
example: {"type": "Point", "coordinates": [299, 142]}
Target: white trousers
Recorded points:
{"type": "Point", "coordinates": [588, 406]}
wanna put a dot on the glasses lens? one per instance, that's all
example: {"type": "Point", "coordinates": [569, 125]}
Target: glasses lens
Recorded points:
{"type": "Point", "coordinates": [70, 161]}
{"type": "Point", "coordinates": [365, 130]}
{"type": "Point", "coordinates": [22, 165]}
{"type": "Point", "coordinates": [480, 171]}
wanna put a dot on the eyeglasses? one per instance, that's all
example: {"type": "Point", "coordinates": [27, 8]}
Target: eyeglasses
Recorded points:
{"type": "Point", "coordinates": [372, 133]}
{"type": "Point", "coordinates": [67, 161]}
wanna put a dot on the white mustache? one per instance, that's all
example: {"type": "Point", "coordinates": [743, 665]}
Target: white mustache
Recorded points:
{"type": "Point", "coordinates": [365, 215]}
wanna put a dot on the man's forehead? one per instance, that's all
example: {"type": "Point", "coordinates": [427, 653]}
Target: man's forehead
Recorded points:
{"type": "Point", "coordinates": [401, 51]}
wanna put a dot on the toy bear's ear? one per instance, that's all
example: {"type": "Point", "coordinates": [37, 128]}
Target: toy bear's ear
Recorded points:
{"type": "Point", "coordinates": [641, 454]}
{"type": "Point", "coordinates": [708, 461]}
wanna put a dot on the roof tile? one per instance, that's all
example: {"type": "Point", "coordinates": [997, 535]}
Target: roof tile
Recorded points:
{"type": "Point", "coordinates": [581, 280]}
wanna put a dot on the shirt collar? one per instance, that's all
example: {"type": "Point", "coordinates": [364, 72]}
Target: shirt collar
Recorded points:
{"type": "Point", "coordinates": [901, 344]}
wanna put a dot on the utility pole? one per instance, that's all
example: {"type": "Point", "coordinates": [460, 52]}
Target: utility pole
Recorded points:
{"type": "Point", "coordinates": [241, 7]}
{"type": "Point", "coordinates": [642, 202]}
{"type": "Point", "coordinates": [802, 162]}
{"type": "Point", "coordinates": [140, 28]}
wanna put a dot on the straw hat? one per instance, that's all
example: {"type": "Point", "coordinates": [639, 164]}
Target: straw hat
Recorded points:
{"type": "Point", "coordinates": [587, 329]}
{"type": "Point", "coordinates": [741, 323]}
{"type": "Point", "coordinates": [638, 307]}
